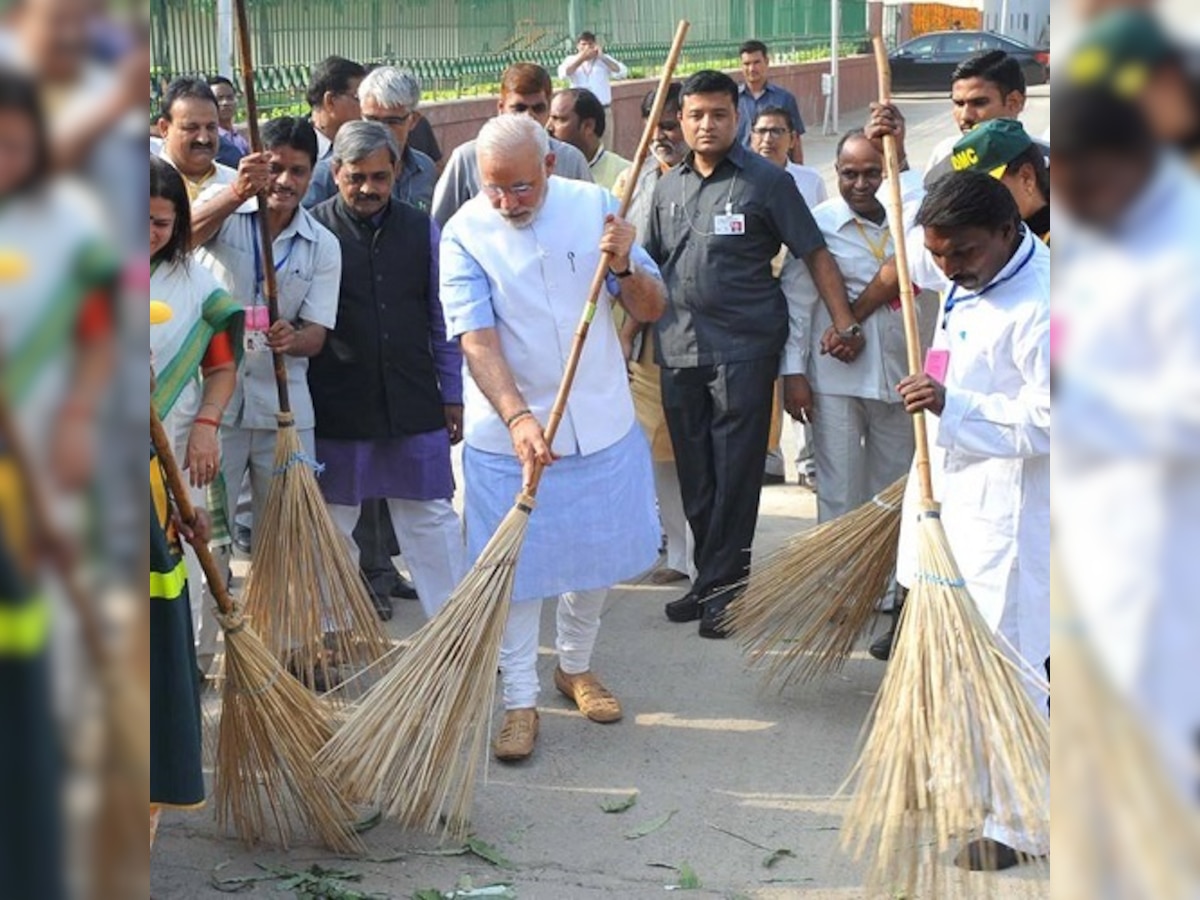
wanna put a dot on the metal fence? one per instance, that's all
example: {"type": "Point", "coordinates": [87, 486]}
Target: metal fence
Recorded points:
{"type": "Point", "coordinates": [460, 47]}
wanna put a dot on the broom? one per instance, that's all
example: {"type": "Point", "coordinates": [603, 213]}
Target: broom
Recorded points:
{"type": "Point", "coordinates": [271, 725]}
{"type": "Point", "coordinates": [953, 734]}
{"type": "Point", "coordinates": [413, 744]}
{"type": "Point", "coordinates": [304, 591]}
{"type": "Point", "coordinates": [806, 605]}
{"type": "Point", "coordinates": [1121, 828]}
{"type": "Point", "coordinates": [124, 773]}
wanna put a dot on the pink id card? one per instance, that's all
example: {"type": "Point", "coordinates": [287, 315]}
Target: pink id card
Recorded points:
{"type": "Point", "coordinates": [937, 364]}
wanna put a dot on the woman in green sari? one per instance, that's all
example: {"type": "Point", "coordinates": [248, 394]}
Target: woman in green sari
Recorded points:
{"type": "Point", "coordinates": [195, 357]}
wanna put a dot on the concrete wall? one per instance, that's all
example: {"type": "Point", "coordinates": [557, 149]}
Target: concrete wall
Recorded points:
{"type": "Point", "coordinates": [455, 122]}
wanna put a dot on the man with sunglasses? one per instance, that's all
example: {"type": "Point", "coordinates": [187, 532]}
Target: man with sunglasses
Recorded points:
{"type": "Point", "coordinates": [525, 89]}
{"type": "Point", "coordinates": [390, 97]}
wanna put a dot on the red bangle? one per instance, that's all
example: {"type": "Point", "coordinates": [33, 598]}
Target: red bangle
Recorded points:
{"type": "Point", "coordinates": [205, 420]}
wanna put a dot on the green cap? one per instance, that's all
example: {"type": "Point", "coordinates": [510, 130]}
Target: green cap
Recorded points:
{"type": "Point", "coordinates": [990, 146]}
{"type": "Point", "coordinates": [1119, 51]}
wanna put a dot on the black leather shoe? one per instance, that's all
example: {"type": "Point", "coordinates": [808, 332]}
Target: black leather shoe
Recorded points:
{"type": "Point", "coordinates": [403, 589]}
{"type": "Point", "coordinates": [383, 606]}
{"type": "Point", "coordinates": [881, 648]}
{"type": "Point", "coordinates": [687, 608]}
{"type": "Point", "coordinates": [987, 855]}
{"type": "Point", "coordinates": [712, 623]}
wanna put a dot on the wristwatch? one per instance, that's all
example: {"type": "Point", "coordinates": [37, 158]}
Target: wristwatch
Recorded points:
{"type": "Point", "coordinates": [853, 331]}
{"type": "Point", "coordinates": [628, 271]}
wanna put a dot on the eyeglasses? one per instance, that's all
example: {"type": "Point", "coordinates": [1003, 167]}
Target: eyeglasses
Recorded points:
{"type": "Point", "coordinates": [668, 124]}
{"type": "Point", "coordinates": [775, 132]}
{"type": "Point", "coordinates": [389, 121]}
{"type": "Point", "coordinates": [519, 191]}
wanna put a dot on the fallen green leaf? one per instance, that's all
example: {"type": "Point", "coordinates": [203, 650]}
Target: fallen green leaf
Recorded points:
{"type": "Point", "coordinates": [776, 856]}
{"type": "Point", "coordinates": [619, 805]}
{"type": "Point", "coordinates": [488, 853]}
{"type": "Point", "coordinates": [649, 827]}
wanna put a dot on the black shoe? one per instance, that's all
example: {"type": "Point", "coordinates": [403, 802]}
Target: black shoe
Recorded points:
{"type": "Point", "coordinates": [383, 606]}
{"type": "Point", "coordinates": [686, 609]}
{"type": "Point", "coordinates": [242, 538]}
{"type": "Point", "coordinates": [403, 589]}
{"type": "Point", "coordinates": [770, 478]}
{"type": "Point", "coordinates": [987, 855]}
{"type": "Point", "coordinates": [881, 649]}
{"type": "Point", "coordinates": [712, 623]}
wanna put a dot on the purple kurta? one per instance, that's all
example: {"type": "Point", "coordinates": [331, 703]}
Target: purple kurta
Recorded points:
{"type": "Point", "coordinates": [412, 467]}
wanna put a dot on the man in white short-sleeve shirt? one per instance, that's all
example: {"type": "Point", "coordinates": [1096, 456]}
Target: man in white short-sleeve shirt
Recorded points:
{"type": "Point", "coordinates": [863, 438]}
{"type": "Point", "coordinates": [308, 265]}
{"type": "Point", "coordinates": [590, 67]}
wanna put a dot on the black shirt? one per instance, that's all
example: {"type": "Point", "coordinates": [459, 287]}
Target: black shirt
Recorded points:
{"type": "Point", "coordinates": [724, 304]}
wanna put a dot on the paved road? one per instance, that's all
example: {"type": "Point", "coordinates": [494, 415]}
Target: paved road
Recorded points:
{"type": "Point", "coordinates": [699, 738]}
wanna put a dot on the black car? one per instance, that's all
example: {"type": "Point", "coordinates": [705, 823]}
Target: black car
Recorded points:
{"type": "Point", "coordinates": [926, 62]}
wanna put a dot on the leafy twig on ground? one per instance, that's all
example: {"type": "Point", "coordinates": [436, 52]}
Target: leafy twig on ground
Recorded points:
{"type": "Point", "coordinates": [649, 827]}
{"type": "Point", "coordinates": [316, 882]}
{"type": "Point", "coordinates": [775, 854]}
{"type": "Point", "coordinates": [488, 853]}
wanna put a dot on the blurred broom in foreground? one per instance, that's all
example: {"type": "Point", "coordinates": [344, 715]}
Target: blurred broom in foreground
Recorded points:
{"type": "Point", "coordinates": [271, 725]}
{"type": "Point", "coordinates": [807, 604]}
{"type": "Point", "coordinates": [412, 745]}
{"type": "Point", "coordinates": [304, 593]}
{"type": "Point", "coordinates": [1121, 828]}
{"type": "Point", "coordinates": [954, 737]}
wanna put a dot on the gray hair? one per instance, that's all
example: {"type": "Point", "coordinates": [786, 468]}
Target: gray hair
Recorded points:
{"type": "Point", "coordinates": [511, 133]}
{"type": "Point", "coordinates": [389, 86]}
{"type": "Point", "coordinates": [358, 140]}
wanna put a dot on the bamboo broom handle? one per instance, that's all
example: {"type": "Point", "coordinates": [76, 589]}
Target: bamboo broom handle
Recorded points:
{"type": "Point", "coordinates": [48, 533]}
{"type": "Point", "coordinates": [908, 306]}
{"type": "Point", "coordinates": [179, 490]}
{"type": "Point", "coordinates": [589, 310]}
{"type": "Point", "coordinates": [270, 289]}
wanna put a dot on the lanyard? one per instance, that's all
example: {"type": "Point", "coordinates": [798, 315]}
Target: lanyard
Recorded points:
{"type": "Point", "coordinates": [683, 203]}
{"type": "Point", "coordinates": [258, 266]}
{"type": "Point", "coordinates": [879, 251]}
{"type": "Point", "coordinates": [951, 302]}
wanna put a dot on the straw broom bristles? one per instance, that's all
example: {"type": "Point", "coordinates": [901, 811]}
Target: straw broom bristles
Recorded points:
{"type": "Point", "coordinates": [807, 604]}
{"type": "Point", "coordinates": [412, 745]}
{"type": "Point", "coordinates": [271, 725]}
{"type": "Point", "coordinates": [304, 592]}
{"type": "Point", "coordinates": [954, 736]}
{"type": "Point", "coordinates": [1122, 829]}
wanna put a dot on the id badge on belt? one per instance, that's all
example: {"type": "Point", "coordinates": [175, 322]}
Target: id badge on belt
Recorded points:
{"type": "Point", "coordinates": [258, 322]}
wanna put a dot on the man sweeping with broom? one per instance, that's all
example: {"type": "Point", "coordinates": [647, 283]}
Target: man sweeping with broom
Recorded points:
{"type": "Point", "coordinates": [516, 264]}
{"type": "Point", "coordinates": [987, 381]}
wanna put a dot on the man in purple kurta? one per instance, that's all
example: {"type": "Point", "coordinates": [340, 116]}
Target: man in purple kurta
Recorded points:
{"type": "Point", "coordinates": [387, 387]}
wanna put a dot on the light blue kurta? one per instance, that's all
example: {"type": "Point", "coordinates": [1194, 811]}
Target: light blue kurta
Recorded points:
{"type": "Point", "coordinates": [594, 524]}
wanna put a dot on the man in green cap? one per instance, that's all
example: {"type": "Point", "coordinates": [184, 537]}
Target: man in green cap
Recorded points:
{"type": "Point", "coordinates": [1003, 149]}
{"type": "Point", "coordinates": [1129, 53]}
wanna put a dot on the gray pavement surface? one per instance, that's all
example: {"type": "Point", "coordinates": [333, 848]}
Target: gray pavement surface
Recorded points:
{"type": "Point", "coordinates": [700, 738]}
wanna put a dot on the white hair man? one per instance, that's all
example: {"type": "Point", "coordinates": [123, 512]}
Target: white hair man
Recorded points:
{"type": "Point", "coordinates": [516, 264]}
{"type": "Point", "coordinates": [390, 97]}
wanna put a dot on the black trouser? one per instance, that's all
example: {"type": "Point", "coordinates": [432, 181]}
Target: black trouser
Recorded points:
{"type": "Point", "coordinates": [719, 417]}
{"type": "Point", "coordinates": [377, 545]}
